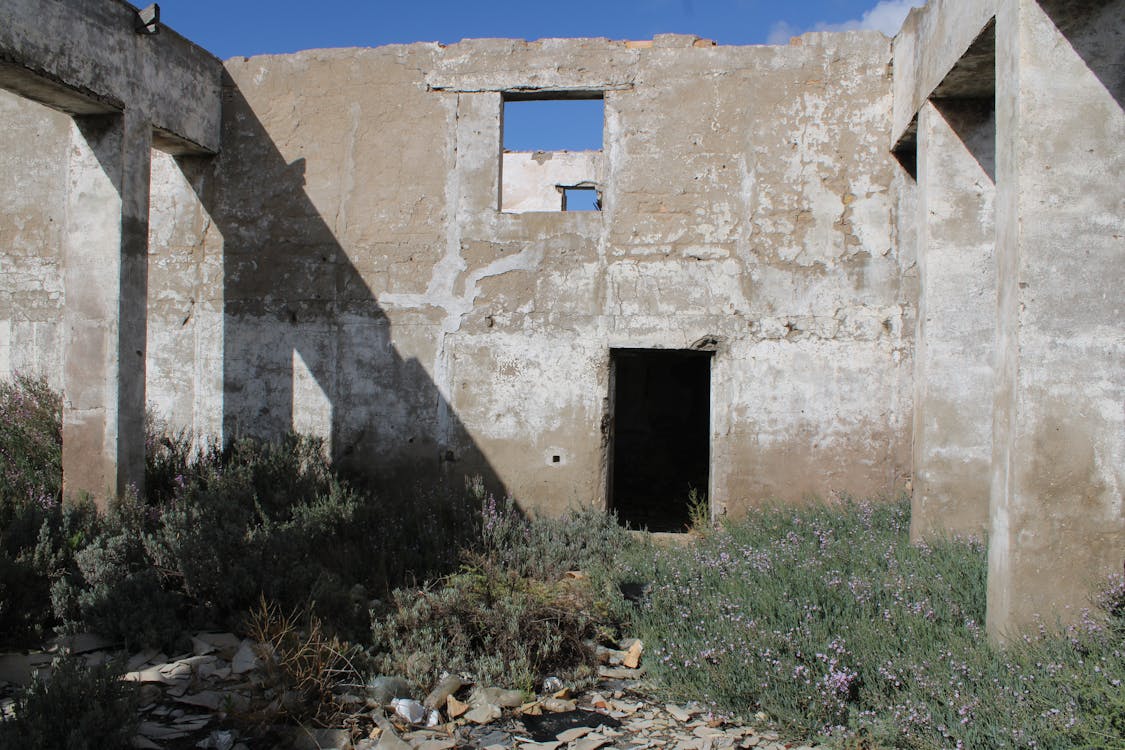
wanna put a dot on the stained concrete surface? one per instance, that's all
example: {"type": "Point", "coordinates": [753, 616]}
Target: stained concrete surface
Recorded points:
{"type": "Point", "coordinates": [320, 241]}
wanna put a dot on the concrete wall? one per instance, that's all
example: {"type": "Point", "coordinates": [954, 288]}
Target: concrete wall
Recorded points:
{"type": "Point", "coordinates": [371, 280]}
{"type": "Point", "coordinates": [32, 223]}
{"type": "Point", "coordinates": [127, 91]}
{"type": "Point", "coordinates": [1058, 519]}
{"type": "Point", "coordinates": [953, 355]}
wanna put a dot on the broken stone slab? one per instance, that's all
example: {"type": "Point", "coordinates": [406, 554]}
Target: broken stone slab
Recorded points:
{"type": "Point", "coordinates": [570, 735]}
{"type": "Point", "coordinates": [156, 731]}
{"type": "Point", "coordinates": [144, 743]}
{"type": "Point", "coordinates": [455, 708]}
{"type": "Point", "coordinates": [141, 658]}
{"type": "Point", "coordinates": [227, 644]}
{"type": "Point", "coordinates": [496, 696]}
{"type": "Point", "coordinates": [590, 743]}
{"type": "Point", "coordinates": [245, 659]}
{"type": "Point", "coordinates": [484, 714]}
{"type": "Point", "coordinates": [609, 656]}
{"type": "Point", "coordinates": [443, 744]}
{"type": "Point", "coordinates": [209, 699]}
{"type": "Point", "coordinates": [621, 673]}
{"type": "Point", "coordinates": [633, 654]}
{"type": "Point", "coordinates": [445, 688]}
{"type": "Point", "coordinates": [677, 713]}
{"type": "Point", "coordinates": [558, 705]}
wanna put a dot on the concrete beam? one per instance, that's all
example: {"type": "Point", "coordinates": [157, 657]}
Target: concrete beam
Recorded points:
{"type": "Point", "coordinates": [934, 40]}
{"type": "Point", "coordinates": [87, 58]}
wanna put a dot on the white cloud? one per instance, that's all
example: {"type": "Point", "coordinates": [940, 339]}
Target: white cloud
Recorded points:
{"type": "Point", "coordinates": [887, 16]}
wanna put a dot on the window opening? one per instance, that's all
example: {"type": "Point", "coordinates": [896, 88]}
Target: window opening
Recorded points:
{"type": "Point", "coordinates": [553, 124]}
{"type": "Point", "coordinates": [580, 198]}
{"type": "Point", "coordinates": [552, 151]}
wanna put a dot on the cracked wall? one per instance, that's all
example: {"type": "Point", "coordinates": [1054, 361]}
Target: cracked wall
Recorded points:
{"type": "Point", "coordinates": [372, 282]}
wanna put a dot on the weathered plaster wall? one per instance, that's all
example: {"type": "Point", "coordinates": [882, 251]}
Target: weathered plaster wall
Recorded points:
{"type": "Point", "coordinates": [127, 92]}
{"type": "Point", "coordinates": [953, 387]}
{"type": "Point", "coordinates": [184, 364]}
{"type": "Point", "coordinates": [373, 286]}
{"type": "Point", "coordinates": [33, 145]}
{"type": "Point", "coordinates": [531, 179]}
{"type": "Point", "coordinates": [1058, 519]}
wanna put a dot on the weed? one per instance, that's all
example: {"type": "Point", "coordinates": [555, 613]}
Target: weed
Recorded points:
{"type": "Point", "coordinates": [303, 665]}
{"type": "Point", "coordinates": [699, 512]}
{"type": "Point", "coordinates": [75, 708]}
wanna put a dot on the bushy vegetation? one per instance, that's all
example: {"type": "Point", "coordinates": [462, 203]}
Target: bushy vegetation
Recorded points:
{"type": "Point", "coordinates": [825, 618]}
{"type": "Point", "coordinates": [218, 527]}
{"type": "Point", "coordinates": [831, 622]}
{"type": "Point", "coordinates": [77, 707]}
{"type": "Point", "coordinates": [512, 615]}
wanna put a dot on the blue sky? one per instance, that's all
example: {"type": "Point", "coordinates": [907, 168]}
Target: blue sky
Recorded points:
{"type": "Point", "coordinates": [230, 28]}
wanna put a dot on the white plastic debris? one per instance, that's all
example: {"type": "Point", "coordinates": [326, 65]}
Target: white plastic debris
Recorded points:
{"type": "Point", "coordinates": [409, 710]}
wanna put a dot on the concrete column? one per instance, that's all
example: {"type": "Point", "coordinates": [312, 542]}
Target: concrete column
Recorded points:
{"type": "Point", "coordinates": [956, 312]}
{"type": "Point", "coordinates": [104, 280]}
{"type": "Point", "coordinates": [1057, 517]}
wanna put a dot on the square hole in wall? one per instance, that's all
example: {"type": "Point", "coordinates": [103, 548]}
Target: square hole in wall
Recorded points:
{"type": "Point", "coordinates": [580, 198]}
{"type": "Point", "coordinates": [551, 159]}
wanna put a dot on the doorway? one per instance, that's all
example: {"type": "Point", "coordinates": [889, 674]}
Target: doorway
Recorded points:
{"type": "Point", "coordinates": [660, 404]}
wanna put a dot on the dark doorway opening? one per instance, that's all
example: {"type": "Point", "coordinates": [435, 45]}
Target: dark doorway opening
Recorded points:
{"type": "Point", "coordinates": [660, 444]}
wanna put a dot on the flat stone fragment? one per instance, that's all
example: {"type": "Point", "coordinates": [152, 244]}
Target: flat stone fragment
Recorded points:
{"type": "Point", "coordinates": [570, 735]}
{"type": "Point", "coordinates": [591, 743]}
{"type": "Point", "coordinates": [677, 713]}
{"type": "Point", "coordinates": [484, 714]}
{"type": "Point", "coordinates": [245, 659]}
{"type": "Point", "coordinates": [210, 699]}
{"type": "Point", "coordinates": [436, 745]}
{"type": "Point", "coordinates": [621, 673]}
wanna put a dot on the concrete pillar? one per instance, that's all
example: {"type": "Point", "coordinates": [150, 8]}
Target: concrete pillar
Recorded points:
{"type": "Point", "coordinates": [956, 313]}
{"type": "Point", "coordinates": [1057, 517]}
{"type": "Point", "coordinates": [104, 280]}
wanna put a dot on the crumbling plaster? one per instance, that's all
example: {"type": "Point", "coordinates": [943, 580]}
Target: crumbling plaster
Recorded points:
{"type": "Point", "coordinates": [771, 232]}
{"type": "Point", "coordinates": [344, 267]}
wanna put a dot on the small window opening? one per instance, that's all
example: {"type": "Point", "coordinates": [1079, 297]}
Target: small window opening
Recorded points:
{"type": "Point", "coordinates": [660, 446]}
{"type": "Point", "coordinates": [580, 198]}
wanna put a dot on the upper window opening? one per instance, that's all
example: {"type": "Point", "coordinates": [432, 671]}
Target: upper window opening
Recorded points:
{"type": "Point", "coordinates": [553, 124]}
{"type": "Point", "coordinates": [552, 152]}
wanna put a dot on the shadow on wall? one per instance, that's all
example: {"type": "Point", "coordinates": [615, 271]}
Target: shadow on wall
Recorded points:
{"type": "Point", "coordinates": [1095, 30]}
{"type": "Point", "coordinates": [306, 345]}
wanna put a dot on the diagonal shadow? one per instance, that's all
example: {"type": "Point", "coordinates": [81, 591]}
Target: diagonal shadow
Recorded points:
{"type": "Point", "coordinates": [1095, 30]}
{"type": "Point", "coordinates": [296, 310]}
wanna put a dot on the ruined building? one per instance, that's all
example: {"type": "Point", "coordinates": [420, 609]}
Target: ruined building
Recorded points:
{"type": "Point", "coordinates": [849, 264]}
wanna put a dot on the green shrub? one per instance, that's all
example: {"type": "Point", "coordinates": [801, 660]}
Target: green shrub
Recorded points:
{"type": "Point", "coordinates": [500, 629]}
{"type": "Point", "coordinates": [75, 708]}
{"type": "Point", "coordinates": [37, 535]}
{"type": "Point", "coordinates": [511, 616]}
{"type": "Point", "coordinates": [544, 547]}
{"type": "Point", "coordinates": [30, 446]}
